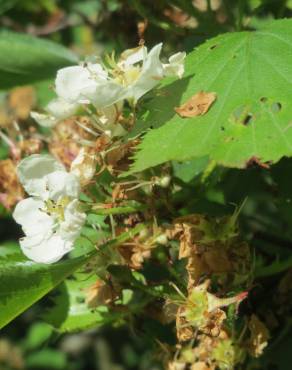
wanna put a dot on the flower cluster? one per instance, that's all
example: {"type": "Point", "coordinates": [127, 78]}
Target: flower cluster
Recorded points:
{"type": "Point", "coordinates": [51, 218]}
{"type": "Point", "coordinates": [106, 87]}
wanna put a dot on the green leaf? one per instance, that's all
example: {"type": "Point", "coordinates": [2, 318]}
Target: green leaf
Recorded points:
{"type": "Point", "coordinates": [26, 59]}
{"type": "Point", "coordinates": [41, 359]}
{"type": "Point", "coordinates": [38, 334]}
{"type": "Point", "coordinates": [251, 74]}
{"type": "Point", "coordinates": [187, 170]}
{"type": "Point", "coordinates": [23, 282]}
{"type": "Point", "coordinates": [70, 311]}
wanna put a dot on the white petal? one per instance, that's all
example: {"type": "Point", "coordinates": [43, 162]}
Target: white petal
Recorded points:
{"type": "Point", "coordinates": [151, 74]}
{"type": "Point", "coordinates": [28, 213]}
{"type": "Point", "coordinates": [178, 57]}
{"type": "Point", "coordinates": [61, 184]}
{"type": "Point", "coordinates": [47, 250]}
{"type": "Point", "coordinates": [74, 220]}
{"type": "Point", "coordinates": [84, 166]}
{"type": "Point", "coordinates": [175, 66]}
{"type": "Point", "coordinates": [106, 94]}
{"type": "Point", "coordinates": [61, 109]}
{"type": "Point", "coordinates": [75, 84]}
{"type": "Point", "coordinates": [32, 171]}
{"type": "Point", "coordinates": [132, 56]}
{"type": "Point", "coordinates": [43, 119]}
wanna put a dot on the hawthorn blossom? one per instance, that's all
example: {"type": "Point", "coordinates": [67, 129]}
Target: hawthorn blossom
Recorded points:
{"type": "Point", "coordinates": [132, 76]}
{"type": "Point", "coordinates": [51, 218]}
{"type": "Point", "coordinates": [137, 72]}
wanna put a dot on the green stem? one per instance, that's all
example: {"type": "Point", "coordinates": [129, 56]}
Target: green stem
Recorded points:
{"type": "Point", "coordinates": [122, 238]}
{"type": "Point", "coordinates": [118, 210]}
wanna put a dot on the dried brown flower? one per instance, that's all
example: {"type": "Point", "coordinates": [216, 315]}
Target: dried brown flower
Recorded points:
{"type": "Point", "coordinates": [11, 191]}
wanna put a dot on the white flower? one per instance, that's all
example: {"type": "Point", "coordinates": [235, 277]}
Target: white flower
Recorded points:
{"type": "Point", "coordinates": [50, 219]}
{"type": "Point", "coordinates": [137, 72]}
{"type": "Point", "coordinates": [149, 74]}
{"type": "Point", "coordinates": [175, 67]}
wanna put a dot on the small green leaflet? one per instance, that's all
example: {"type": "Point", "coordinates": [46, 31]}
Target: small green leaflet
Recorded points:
{"type": "Point", "coordinates": [251, 73]}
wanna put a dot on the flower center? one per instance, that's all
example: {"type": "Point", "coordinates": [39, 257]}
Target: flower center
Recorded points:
{"type": "Point", "coordinates": [56, 209]}
{"type": "Point", "coordinates": [127, 76]}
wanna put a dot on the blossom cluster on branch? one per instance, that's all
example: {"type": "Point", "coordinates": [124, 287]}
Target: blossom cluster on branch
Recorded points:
{"type": "Point", "coordinates": [205, 266]}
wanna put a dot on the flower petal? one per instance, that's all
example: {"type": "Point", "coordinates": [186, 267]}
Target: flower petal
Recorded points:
{"type": "Point", "coordinates": [74, 84]}
{"type": "Point", "coordinates": [175, 66]}
{"type": "Point", "coordinates": [84, 166]}
{"type": "Point", "coordinates": [74, 220]}
{"type": "Point", "coordinates": [47, 250]}
{"type": "Point", "coordinates": [61, 183]}
{"type": "Point", "coordinates": [28, 213]}
{"type": "Point", "coordinates": [106, 94]}
{"type": "Point", "coordinates": [43, 119]}
{"type": "Point", "coordinates": [151, 74]}
{"type": "Point", "coordinates": [132, 56]}
{"type": "Point", "coordinates": [61, 109]}
{"type": "Point", "coordinates": [32, 171]}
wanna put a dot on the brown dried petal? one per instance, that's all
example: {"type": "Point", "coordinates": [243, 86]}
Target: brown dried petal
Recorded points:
{"type": "Point", "coordinates": [259, 336]}
{"type": "Point", "coordinates": [200, 366]}
{"type": "Point", "coordinates": [100, 293]}
{"type": "Point", "coordinates": [67, 137]}
{"type": "Point", "coordinates": [184, 331]}
{"type": "Point", "coordinates": [11, 191]}
{"type": "Point", "coordinates": [21, 100]}
{"type": "Point", "coordinates": [197, 105]}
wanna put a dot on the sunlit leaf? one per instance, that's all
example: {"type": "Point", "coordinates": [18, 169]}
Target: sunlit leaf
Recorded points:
{"type": "Point", "coordinates": [250, 121]}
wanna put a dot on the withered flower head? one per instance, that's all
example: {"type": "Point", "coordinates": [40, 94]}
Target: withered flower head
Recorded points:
{"type": "Point", "coordinates": [11, 191]}
{"type": "Point", "coordinates": [68, 138]}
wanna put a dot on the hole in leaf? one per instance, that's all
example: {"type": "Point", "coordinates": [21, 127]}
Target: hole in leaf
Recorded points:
{"type": "Point", "coordinates": [213, 47]}
{"type": "Point", "coordinates": [276, 107]}
{"type": "Point", "coordinates": [247, 119]}
{"type": "Point", "coordinates": [243, 115]}
{"type": "Point", "coordinates": [263, 99]}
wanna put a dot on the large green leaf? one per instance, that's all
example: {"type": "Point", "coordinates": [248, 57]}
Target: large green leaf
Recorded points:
{"type": "Point", "coordinates": [25, 59]}
{"type": "Point", "coordinates": [23, 282]}
{"type": "Point", "coordinates": [251, 73]}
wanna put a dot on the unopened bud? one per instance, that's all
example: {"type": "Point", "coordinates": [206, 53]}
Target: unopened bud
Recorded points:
{"type": "Point", "coordinates": [161, 239]}
{"type": "Point", "coordinates": [163, 181]}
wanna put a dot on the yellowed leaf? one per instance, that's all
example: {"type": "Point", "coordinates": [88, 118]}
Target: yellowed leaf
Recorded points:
{"type": "Point", "coordinates": [197, 105]}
